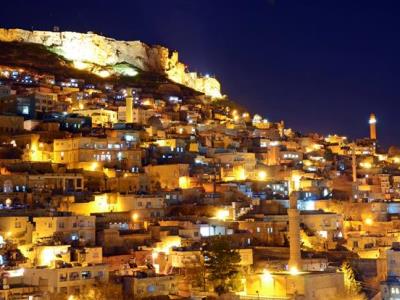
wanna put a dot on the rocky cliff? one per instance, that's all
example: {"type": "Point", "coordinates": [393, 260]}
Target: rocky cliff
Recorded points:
{"type": "Point", "coordinates": [86, 49]}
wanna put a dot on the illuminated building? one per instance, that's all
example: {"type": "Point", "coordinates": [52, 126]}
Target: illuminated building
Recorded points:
{"type": "Point", "coordinates": [16, 229]}
{"type": "Point", "coordinates": [152, 285]}
{"type": "Point", "coordinates": [146, 206]}
{"type": "Point", "coordinates": [46, 256]}
{"type": "Point", "coordinates": [168, 175]}
{"type": "Point", "coordinates": [11, 124]}
{"type": "Point", "coordinates": [70, 228]}
{"type": "Point", "coordinates": [65, 182]}
{"type": "Point", "coordinates": [100, 117]}
{"type": "Point", "coordinates": [390, 288]}
{"type": "Point", "coordinates": [68, 280]}
{"type": "Point", "coordinates": [90, 152]}
{"type": "Point", "coordinates": [45, 102]}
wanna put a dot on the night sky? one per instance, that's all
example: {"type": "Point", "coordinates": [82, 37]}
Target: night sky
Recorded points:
{"type": "Point", "coordinates": [322, 66]}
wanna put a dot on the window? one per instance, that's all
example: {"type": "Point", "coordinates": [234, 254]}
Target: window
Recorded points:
{"type": "Point", "coordinates": [25, 110]}
{"type": "Point", "coordinates": [258, 229]}
{"type": "Point", "coordinates": [63, 277]}
{"type": "Point", "coordinates": [73, 276]}
{"type": "Point", "coordinates": [86, 274]}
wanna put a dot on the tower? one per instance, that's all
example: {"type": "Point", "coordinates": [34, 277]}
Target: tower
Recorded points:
{"type": "Point", "coordinates": [294, 233]}
{"type": "Point", "coordinates": [129, 107]}
{"type": "Point", "coordinates": [354, 162]}
{"type": "Point", "coordinates": [372, 127]}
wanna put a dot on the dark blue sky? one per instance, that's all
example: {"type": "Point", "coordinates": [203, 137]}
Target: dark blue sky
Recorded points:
{"type": "Point", "coordinates": [320, 65]}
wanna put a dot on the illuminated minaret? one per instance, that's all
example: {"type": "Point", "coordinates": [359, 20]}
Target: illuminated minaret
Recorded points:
{"type": "Point", "coordinates": [129, 108]}
{"type": "Point", "coordinates": [372, 127]}
{"type": "Point", "coordinates": [294, 233]}
{"type": "Point", "coordinates": [354, 162]}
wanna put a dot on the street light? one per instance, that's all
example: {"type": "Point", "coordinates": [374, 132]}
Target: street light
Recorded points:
{"type": "Point", "coordinates": [261, 175]}
{"type": "Point", "coordinates": [369, 221]}
{"type": "Point", "coordinates": [222, 214]}
{"type": "Point", "coordinates": [135, 217]}
{"type": "Point", "coordinates": [266, 276]}
{"type": "Point", "coordinates": [294, 271]}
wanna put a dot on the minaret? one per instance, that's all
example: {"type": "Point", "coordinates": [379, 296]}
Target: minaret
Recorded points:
{"type": "Point", "coordinates": [129, 107]}
{"type": "Point", "coordinates": [294, 233]}
{"type": "Point", "coordinates": [372, 127]}
{"type": "Point", "coordinates": [354, 162]}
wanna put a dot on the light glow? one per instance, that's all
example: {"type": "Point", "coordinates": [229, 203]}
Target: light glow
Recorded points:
{"type": "Point", "coordinates": [369, 221]}
{"type": "Point", "coordinates": [262, 175]}
{"type": "Point", "coordinates": [103, 73]}
{"type": "Point", "coordinates": [294, 271]}
{"type": "Point", "coordinates": [184, 182]}
{"type": "Point", "coordinates": [80, 65]}
{"type": "Point", "coordinates": [266, 276]}
{"type": "Point", "coordinates": [366, 165]}
{"type": "Point", "coordinates": [135, 217]}
{"type": "Point", "coordinates": [222, 214]}
{"type": "Point", "coordinates": [16, 273]}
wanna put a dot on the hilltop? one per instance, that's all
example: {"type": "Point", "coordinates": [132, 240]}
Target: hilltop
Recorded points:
{"type": "Point", "coordinates": [106, 57]}
{"type": "Point", "coordinates": [37, 58]}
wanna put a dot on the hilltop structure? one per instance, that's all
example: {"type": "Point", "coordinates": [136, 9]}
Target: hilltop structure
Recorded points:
{"type": "Point", "coordinates": [95, 52]}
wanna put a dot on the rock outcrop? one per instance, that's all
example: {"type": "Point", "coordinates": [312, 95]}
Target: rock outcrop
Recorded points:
{"type": "Point", "coordinates": [95, 49]}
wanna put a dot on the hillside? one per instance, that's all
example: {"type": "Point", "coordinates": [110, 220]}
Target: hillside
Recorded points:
{"type": "Point", "coordinates": [37, 58]}
{"type": "Point", "coordinates": [104, 56]}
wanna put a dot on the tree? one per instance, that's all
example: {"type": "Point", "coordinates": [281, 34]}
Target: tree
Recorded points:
{"type": "Point", "coordinates": [328, 155]}
{"type": "Point", "coordinates": [222, 264]}
{"type": "Point", "coordinates": [352, 286]}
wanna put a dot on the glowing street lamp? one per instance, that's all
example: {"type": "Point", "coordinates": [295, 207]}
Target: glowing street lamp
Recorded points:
{"type": "Point", "coordinates": [262, 175]}
{"type": "Point", "coordinates": [369, 221]}
{"type": "Point", "coordinates": [266, 276]}
{"type": "Point", "coordinates": [154, 255]}
{"type": "Point", "coordinates": [294, 271]}
{"type": "Point", "coordinates": [135, 217]}
{"type": "Point", "coordinates": [222, 214]}
{"type": "Point", "coordinates": [366, 165]}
